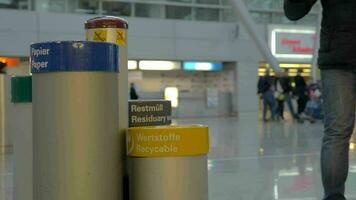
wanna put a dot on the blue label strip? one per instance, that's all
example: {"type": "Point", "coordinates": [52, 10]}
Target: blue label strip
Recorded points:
{"type": "Point", "coordinates": [74, 56]}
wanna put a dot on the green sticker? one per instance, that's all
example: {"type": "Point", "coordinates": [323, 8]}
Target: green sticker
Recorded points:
{"type": "Point", "coordinates": [21, 89]}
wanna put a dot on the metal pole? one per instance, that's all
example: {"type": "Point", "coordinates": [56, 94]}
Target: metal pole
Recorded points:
{"type": "Point", "coordinates": [242, 11]}
{"type": "Point", "coordinates": [100, 9]}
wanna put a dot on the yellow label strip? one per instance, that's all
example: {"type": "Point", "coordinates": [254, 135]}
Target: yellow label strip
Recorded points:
{"type": "Point", "coordinates": [113, 35]}
{"type": "Point", "coordinates": [167, 141]}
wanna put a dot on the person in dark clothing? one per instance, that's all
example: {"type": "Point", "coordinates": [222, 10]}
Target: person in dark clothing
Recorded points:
{"type": "Point", "coordinates": [133, 93]}
{"type": "Point", "coordinates": [2, 67]}
{"type": "Point", "coordinates": [301, 91]}
{"type": "Point", "coordinates": [337, 61]}
{"type": "Point", "coordinates": [264, 87]}
{"type": "Point", "coordinates": [279, 95]}
{"type": "Point", "coordinates": [286, 85]}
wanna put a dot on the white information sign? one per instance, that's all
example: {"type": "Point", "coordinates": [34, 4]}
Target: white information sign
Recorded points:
{"type": "Point", "coordinates": [292, 43]}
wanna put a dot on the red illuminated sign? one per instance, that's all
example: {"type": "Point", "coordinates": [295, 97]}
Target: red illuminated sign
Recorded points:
{"type": "Point", "coordinates": [292, 43]}
{"type": "Point", "coordinates": [296, 45]}
{"type": "Point", "coordinates": [286, 41]}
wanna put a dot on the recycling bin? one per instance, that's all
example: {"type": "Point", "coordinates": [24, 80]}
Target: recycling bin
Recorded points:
{"type": "Point", "coordinates": [6, 143]}
{"type": "Point", "coordinates": [20, 126]}
{"type": "Point", "coordinates": [114, 29]}
{"type": "Point", "coordinates": [168, 162]}
{"type": "Point", "coordinates": [75, 120]}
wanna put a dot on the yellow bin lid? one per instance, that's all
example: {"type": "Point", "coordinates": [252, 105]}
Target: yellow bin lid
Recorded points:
{"type": "Point", "coordinates": [168, 141]}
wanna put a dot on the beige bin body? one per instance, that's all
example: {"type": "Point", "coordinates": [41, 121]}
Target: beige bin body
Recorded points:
{"type": "Point", "coordinates": [75, 122]}
{"type": "Point", "coordinates": [168, 162]}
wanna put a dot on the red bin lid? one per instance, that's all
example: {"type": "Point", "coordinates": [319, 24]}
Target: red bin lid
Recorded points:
{"type": "Point", "coordinates": [106, 22]}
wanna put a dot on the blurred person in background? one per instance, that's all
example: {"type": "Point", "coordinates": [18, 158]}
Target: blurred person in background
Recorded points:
{"type": "Point", "coordinates": [301, 92]}
{"type": "Point", "coordinates": [313, 109]}
{"type": "Point", "coordinates": [133, 93]}
{"type": "Point", "coordinates": [337, 61]}
{"type": "Point", "coordinates": [264, 89]}
{"type": "Point", "coordinates": [286, 84]}
{"type": "Point", "coordinates": [2, 68]}
{"type": "Point", "coordinates": [278, 94]}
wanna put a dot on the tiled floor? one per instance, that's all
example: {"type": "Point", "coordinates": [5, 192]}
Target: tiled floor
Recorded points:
{"type": "Point", "coordinates": [251, 160]}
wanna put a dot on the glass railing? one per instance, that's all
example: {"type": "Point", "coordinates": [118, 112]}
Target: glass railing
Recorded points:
{"type": "Point", "coordinates": [15, 4]}
{"type": "Point", "coordinates": [263, 11]}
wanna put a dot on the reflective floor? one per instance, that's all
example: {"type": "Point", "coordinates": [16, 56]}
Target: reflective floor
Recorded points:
{"type": "Point", "coordinates": [6, 177]}
{"type": "Point", "coordinates": [251, 160]}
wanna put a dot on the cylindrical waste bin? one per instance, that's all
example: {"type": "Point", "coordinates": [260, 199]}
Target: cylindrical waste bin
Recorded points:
{"type": "Point", "coordinates": [6, 136]}
{"type": "Point", "coordinates": [168, 162]}
{"type": "Point", "coordinates": [75, 120]}
{"type": "Point", "coordinates": [114, 29]}
{"type": "Point", "coordinates": [20, 126]}
{"type": "Point", "coordinates": [3, 141]}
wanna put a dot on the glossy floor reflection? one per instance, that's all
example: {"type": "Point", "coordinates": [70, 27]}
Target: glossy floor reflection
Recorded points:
{"type": "Point", "coordinates": [251, 160]}
{"type": "Point", "coordinates": [6, 177]}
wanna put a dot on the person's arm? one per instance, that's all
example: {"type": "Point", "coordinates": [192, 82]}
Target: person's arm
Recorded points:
{"type": "Point", "coordinates": [297, 9]}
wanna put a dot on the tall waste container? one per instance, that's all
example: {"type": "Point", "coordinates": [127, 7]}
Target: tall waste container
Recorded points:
{"type": "Point", "coordinates": [115, 30]}
{"type": "Point", "coordinates": [20, 126]}
{"type": "Point", "coordinates": [75, 120]}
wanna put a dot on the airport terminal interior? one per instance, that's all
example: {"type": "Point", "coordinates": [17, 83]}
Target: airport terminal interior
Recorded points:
{"type": "Point", "coordinates": [206, 58]}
